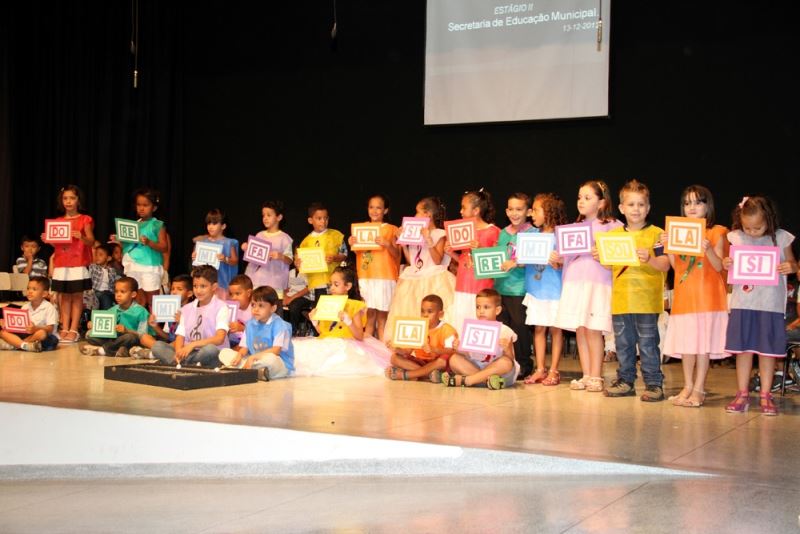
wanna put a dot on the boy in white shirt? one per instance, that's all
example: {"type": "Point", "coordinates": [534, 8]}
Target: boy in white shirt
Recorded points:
{"type": "Point", "coordinates": [43, 319]}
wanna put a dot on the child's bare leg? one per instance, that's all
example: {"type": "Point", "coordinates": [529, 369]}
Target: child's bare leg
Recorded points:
{"type": "Point", "coordinates": [462, 366]}
{"type": "Point", "coordinates": [39, 335]}
{"type": "Point", "coordinates": [11, 338]}
{"type": "Point", "coordinates": [744, 365]}
{"type": "Point", "coordinates": [687, 362]}
{"type": "Point", "coordinates": [147, 341]}
{"type": "Point", "coordinates": [556, 347]}
{"type": "Point", "coordinates": [594, 339]}
{"type": "Point", "coordinates": [500, 367]}
{"type": "Point", "coordinates": [64, 309]}
{"type": "Point", "coordinates": [699, 387]}
{"type": "Point", "coordinates": [399, 362]}
{"type": "Point", "coordinates": [380, 322]}
{"type": "Point", "coordinates": [583, 351]}
{"type": "Point", "coordinates": [540, 346]}
{"type": "Point", "coordinates": [766, 370]}
{"type": "Point", "coordinates": [427, 369]}
{"type": "Point", "coordinates": [369, 329]}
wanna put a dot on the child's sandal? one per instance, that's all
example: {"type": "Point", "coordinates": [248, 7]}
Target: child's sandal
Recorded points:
{"type": "Point", "coordinates": [765, 401]}
{"type": "Point", "coordinates": [450, 380]}
{"type": "Point", "coordinates": [553, 379]}
{"type": "Point", "coordinates": [496, 382]}
{"type": "Point", "coordinates": [435, 376]}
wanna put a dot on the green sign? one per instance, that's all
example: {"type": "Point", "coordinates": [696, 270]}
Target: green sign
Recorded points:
{"type": "Point", "coordinates": [488, 262]}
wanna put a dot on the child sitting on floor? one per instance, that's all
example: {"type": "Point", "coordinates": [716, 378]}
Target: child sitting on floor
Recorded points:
{"type": "Point", "coordinates": [181, 286]}
{"type": "Point", "coordinates": [43, 319]}
{"type": "Point", "coordinates": [241, 289]}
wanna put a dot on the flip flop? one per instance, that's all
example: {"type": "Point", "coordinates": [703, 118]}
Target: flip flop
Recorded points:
{"type": "Point", "coordinates": [496, 382]}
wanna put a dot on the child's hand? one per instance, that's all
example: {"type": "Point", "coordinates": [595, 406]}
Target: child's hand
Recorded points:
{"type": "Point", "coordinates": [312, 313]}
{"type": "Point", "coordinates": [244, 246]}
{"type": "Point", "coordinates": [183, 352]}
{"type": "Point", "coordinates": [151, 320]}
{"type": "Point", "coordinates": [727, 263]}
{"type": "Point", "coordinates": [194, 255]}
{"type": "Point", "coordinates": [2, 323]}
{"type": "Point", "coordinates": [508, 265]}
{"type": "Point", "coordinates": [382, 242]}
{"type": "Point", "coordinates": [237, 360]}
{"type": "Point", "coordinates": [43, 237]}
{"type": "Point", "coordinates": [644, 255]}
{"type": "Point", "coordinates": [664, 238]}
{"type": "Point", "coordinates": [351, 240]}
{"type": "Point", "coordinates": [785, 268]}
{"type": "Point", "coordinates": [89, 325]}
{"type": "Point", "coordinates": [329, 259]}
{"type": "Point", "coordinates": [145, 240]}
{"type": "Point", "coordinates": [76, 234]}
{"type": "Point", "coordinates": [555, 259]}
{"type": "Point", "coordinates": [275, 255]}
{"type": "Point", "coordinates": [706, 244]}
{"type": "Point", "coordinates": [427, 348]}
{"type": "Point", "coordinates": [221, 257]}
{"type": "Point", "coordinates": [595, 254]}
{"type": "Point", "coordinates": [112, 238]}
{"type": "Point", "coordinates": [178, 316]}
{"type": "Point", "coordinates": [235, 327]}
{"type": "Point", "coordinates": [30, 329]}
{"type": "Point", "coordinates": [120, 328]}
{"type": "Point", "coordinates": [474, 244]}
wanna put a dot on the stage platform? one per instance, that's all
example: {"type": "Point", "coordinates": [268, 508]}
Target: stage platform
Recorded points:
{"type": "Point", "coordinates": [553, 460]}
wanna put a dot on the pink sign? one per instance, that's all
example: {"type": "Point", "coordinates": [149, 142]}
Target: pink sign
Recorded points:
{"type": "Point", "coordinates": [57, 231]}
{"type": "Point", "coordinates": [480, 336]}
{"type": "Point", "coordinates": [257, 250]}
{"type": "Point", "coordinates": [233, 307]}
{"type": "Point", "coordinates": [754, 265]}
{"type": "Point", "coordinates": [460, 233]}
{"type": "Point", "coordinates": [573, 239]}
{"type": "Point", "coordinates": [16, 320]}
{"type": "Point", "coordinates": [411, 230]}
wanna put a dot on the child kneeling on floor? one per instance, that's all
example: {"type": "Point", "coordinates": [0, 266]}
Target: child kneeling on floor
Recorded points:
{"type": "Point", "coordinates": [166, 332]}
{"type": "Point", "coordinates": [131, 323]}
{"type": "Point", "coordinates": [266, 342]}
{"type": "Point", "coordinates": [43, 319]}
{"type": "Point", "coordinates": [495, 371]}
{"type": "Point", "coordinates": [430, 360]}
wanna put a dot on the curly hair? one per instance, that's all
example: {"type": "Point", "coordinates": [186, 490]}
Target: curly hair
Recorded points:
{"type": "Point", "coordinates": [555, 211]}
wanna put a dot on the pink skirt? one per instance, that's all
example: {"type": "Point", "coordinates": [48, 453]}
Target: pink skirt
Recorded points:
{"type": "Point", "coordinates": [697, 333]}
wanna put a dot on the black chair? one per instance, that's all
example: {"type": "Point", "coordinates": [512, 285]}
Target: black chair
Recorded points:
{"type": "Point", "coordinates": [790, 361]}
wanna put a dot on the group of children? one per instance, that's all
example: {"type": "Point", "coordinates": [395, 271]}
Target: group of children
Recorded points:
{"type": "Point", "coordinates": [573, 292]}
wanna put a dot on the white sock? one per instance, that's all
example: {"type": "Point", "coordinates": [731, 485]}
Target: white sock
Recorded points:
{"type": "Point", "coordinates": [24, 345]}
{"type": "Point", "coordinates": [101, 351]}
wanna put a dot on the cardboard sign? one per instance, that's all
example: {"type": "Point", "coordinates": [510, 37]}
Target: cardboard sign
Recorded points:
{"type": "Point", "coordinates": [411, 230]}
{"type": "Point", "coordinates": [410, 332]}
{"type": "Point", "coordinates": [57, 231]}
{"type": "Point", "coordinates": [460, 233]}
{"type": "Point", "coordinates": [616, 248]}
{"type": "Point", "coordinates": [104, 324]}
{"type": "Point", "coordinates": [574, 239]}
{"type": "Point", "coordinates": [312, 260]}
{"type": "Point", "coordinates": [329, 306]}
{"type": "Point", "coordinates": [257, 250]}
{"type": "Point", "coordinates": [685, 236]}
{"type": "Point", "coordinates": [754, 265]}
{"type": "Point", "coordinates": [365, 235]}
{"type": "Point", "coordinates": [127, 230]}
{"type": "Point", "coordinates": [165, 307]}
{"type": "Point", "coordinates": [480, 336]}
{"type": "Point", "coordinates": [207, 253]}
{"type": "Point", "coordinates": [16, 320]}
{"type": "Point", "coordinates": [534, 248]}
{"type": "Point", "coordinates": [233, 308]}
{"type": "Point", "coordinates": [488, 262]}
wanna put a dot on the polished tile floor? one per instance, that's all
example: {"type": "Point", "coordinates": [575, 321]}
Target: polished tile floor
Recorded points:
{"type": "Point", "coordinates": [753, 458]}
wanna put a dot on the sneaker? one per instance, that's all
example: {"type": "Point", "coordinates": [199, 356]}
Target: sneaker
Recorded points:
{"type": "Point", "coordinates": [652, 393]}
{"type": "Point", "coordinates": [32, 346]}
{"type": "Point", "coordinates": [263, 374]}
{"type": "Point", "coordinates": [620, 388]}
{"type": "Point", "coordinates": [122, 352]}
{"type": "Point", "coordinates": [141, 353]}
{"type": "Point", "coordinates": [90, 350]}
{"type": "Point", "coordinates": [6, 346]}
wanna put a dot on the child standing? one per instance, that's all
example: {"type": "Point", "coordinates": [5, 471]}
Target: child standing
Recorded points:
{"type": "Point", "coordinates": [495, 371]}
{"type": "Point", "coordinates": [70, 262]}
{"type": "Point", "coordinates": [203, 329]}
{"type": "Point", "coordinates": [329, 240]}
{"type": "Point", "coordinates": [426, 273]}
{"type": "Point", "coordinates": [585, 305]}
{"type": "Point", "coordinates": [477, 205]}
{"type": "Point", "coordinates": [29, 263]}
{"type": "Point", "coordinates": [276, 272]}
{"type": "Point", "coordinates": [131, 323]}
{"type": "Point", "coordinates": [144, 260]}
{"type": "Point", "coordinates": [378, 269]}
{"type": "Point", "coordinates": [241, 289]}
{"type": "Point", "coordinates": [637, 299]}
{"type": "Point", "coordinates": [228, 258]}
{"type": "Point", "coordinates": [103, 277]}
{"type": "Point", "coordinates": [43, 319]}
{"type": "Point", "coordinates": [543, 293]}
{"type": "Point", "coordinates": [699, 314]}
{"type": "Point", "coordinates": [432, 358]}
{"type": "Point", "coordinates": [512, 287]}
{"type": "Point", "coordinates": [755, 325]}
{"type": "Point", "coordinates": [182, 286]}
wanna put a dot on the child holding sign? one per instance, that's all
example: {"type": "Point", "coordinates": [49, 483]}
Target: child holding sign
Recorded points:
{"type": "Point", "coordinates": [378, 269]}
{"type": "Point", "coordinates": [585, 305]}
{"type": "Point", "coordinates": [756, 322]}
{"type": "Point", "coordinates": [144, 260]}
{"type": "Point", "coordinates": [181, 286]}
{"type": "Point", "coordinates": [329, 240]}
{"type": "Point", "coordinates": [430, 360]}
{"type": "Point", "coordinates": [699, 314]}
{"type": "Point", "coordinates": [637, 299]}
{"type": "Point", "coordinates": [131, 323]}
{"type": "Point", "coordinates": [276, 272]}
{"type": "Point", "coordinates": [543, 293]}
{"type": "Point", "coordinates": [43, 319]}
{"type": "Point", "coordinates": [228, 258]}
{"type": "Point", "coordinates": [477, 205]}
{"type": "Point", "coordinates": [70, 261]}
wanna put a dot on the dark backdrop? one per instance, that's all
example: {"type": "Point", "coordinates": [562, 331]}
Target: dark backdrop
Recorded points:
{"type": "Point", "coordinates": [245, 102]}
